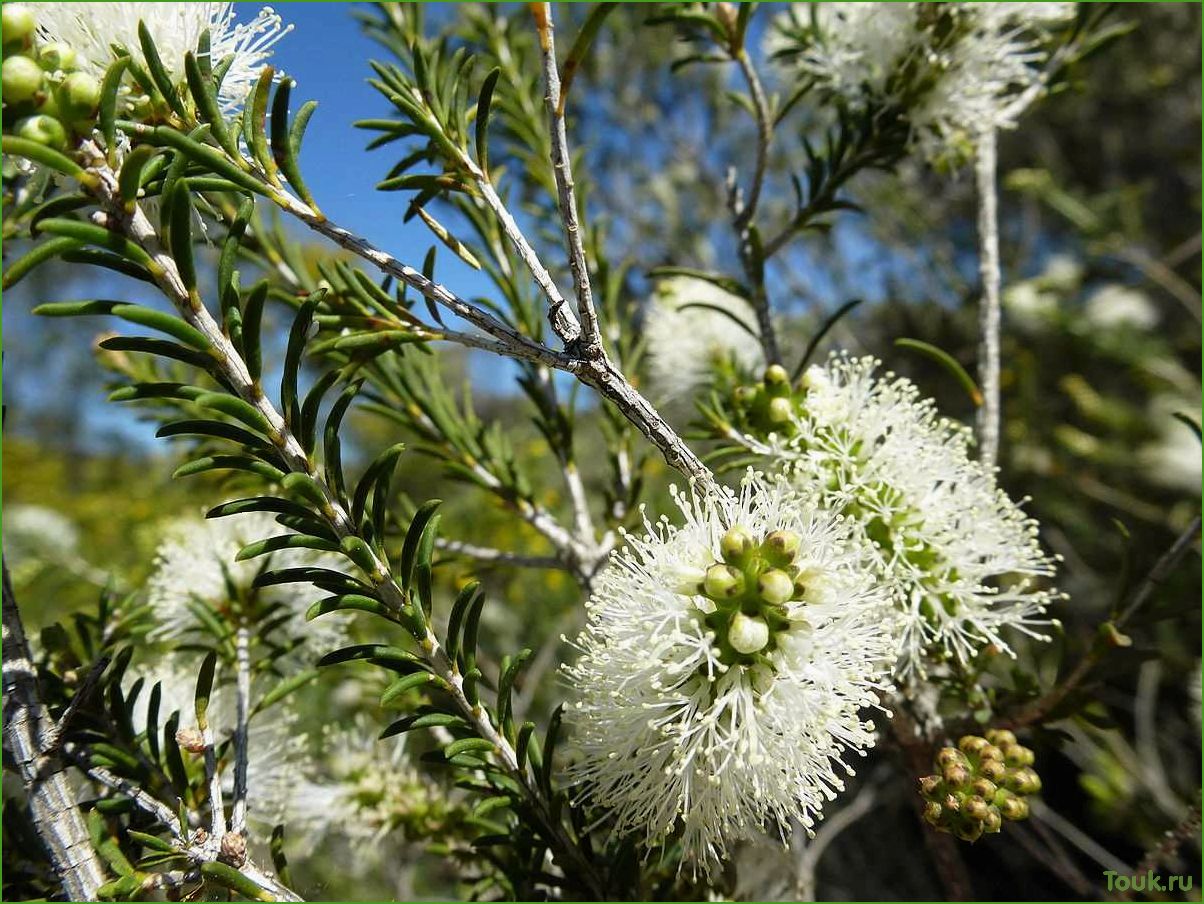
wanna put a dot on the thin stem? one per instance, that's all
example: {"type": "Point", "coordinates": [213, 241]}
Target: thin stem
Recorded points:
{"type": "Point", "coordinates": [744, 210]}
{"type": "Point", "coordinates": [53, 808]}
{"type": "Point", "coordinates": [989, 315]}
{"type": "Point", "coordinates": [829, 829]}
{"type": "Point", "coordinates": [213, 779]}
{"type": "Point", "coordinates": [242, 656]}
{"type": "Point", "coordinates": [590, 339]}
{"type": "Point", "coordinates": [497, 556]}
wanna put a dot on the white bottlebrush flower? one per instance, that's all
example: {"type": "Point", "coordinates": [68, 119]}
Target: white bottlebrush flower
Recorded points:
{"type": "Point", "coordinates": [724, 669]}
{"type": "Point", "coordinates": [1029, 306]}
{"type": "Point", "coordinates": [92, 29]}
{"type": "Point", "coordinates": [38, 531]}
{"type": "Point", "coordinates": [955, 70]}
{"type": "Point", "coordinates": [1173, 459]}
{"type": "Point", "coordinates": [365, 789]}
{"type": "Point", "coordinates": [1117, 307]}
{"type": "Point", "coordinates": [195, 566]}
{"type": "Point", "coordinates": [692, 327]}
{"type": "Point", "coordinates": [961, 559]}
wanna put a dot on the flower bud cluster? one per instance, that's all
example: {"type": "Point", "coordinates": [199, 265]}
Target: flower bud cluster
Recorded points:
{"type": "Point", "coordinates": [979, 784]}
{"type": "Point", "coordinates": [768, 406]}
{"type": "Point", "coordinates": [46, 98]}
{"type": "Point", "coordinates": [751, 589]}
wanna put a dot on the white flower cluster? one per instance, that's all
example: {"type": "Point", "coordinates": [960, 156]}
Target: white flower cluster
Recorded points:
{"type": "Point", "coordinates": [367, 789]}
{"type": "Point", "coordinates": [725, 669]}
{"type": "Point", "coordinates": [91, 30]}
{"type": "Point", "coordinates": [957, 70]}
{"type": "Point", "coordinates": [195, 567]}
{"type": "Point", "coordinates": [693, 327]}
{"type": "Point", "coordinates": [960, 559]}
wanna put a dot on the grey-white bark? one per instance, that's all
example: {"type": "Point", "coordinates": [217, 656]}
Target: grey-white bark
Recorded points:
{"type": "Point", "coordinates": [29, 736]}
{"type": "Point", "coordinates": [989, 312]}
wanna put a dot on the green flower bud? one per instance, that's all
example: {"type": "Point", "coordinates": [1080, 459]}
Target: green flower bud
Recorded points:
{"type": "Point", "coordinates": [930, 786]}
{"type": "Point", "coordinates": [775, 587]}
{"type": "Point", "coordinates": [782, 547]}
{"type": "Point", "coordinates": [991, 752]}
{"type": "Point", "coordinates": [1014, 808]}
{"type": "Point", "coordinates": [22, 79]}
{"type": "Point", "coordinates": [736, 544]}
{"type": "Point", "coordinates": [951, 803]}
{"type": "Point", "coordinates": [951, 756]}
{"type": "Point", "coordinates": [776, 375]}
{"type": "Point", "coordinates": [744, 394]}
{"type": "Point", "coordinates": [993, 821]}
{"type": "Point", "coordinates": [1001, 737]}
{"type": "Point", "coordinates": [689, 581]}
{"type": "Point", "coordinates": [57, 57]}
{"type": "Point", "coordinates": [723, 582]}
{"type": "Point", "coordinates": [956, 775]}
{"type": "Point", "coordinates": [976, 808]}
{"type": "Point", "coordinates": [984, 788]}
{"type": "Point", "coordinates": [18, 23]}
{"type": "Point", "coordinates": [932, 812]}
{"type": "Point", "coordinates": [1024, 781]}
{"type": "Point", "coordinates": [992, 769]}
{"type": "Point", "coordinates": [79, 95]}
{"type": "Point", "coordinates": [747, 635]}
{"type": "Point", "coordinates": [780, 411]}
{"type": "Point", "coordinates": [968, 831]}
{"type": "Point", "coordinates": [972, 744]}
{"type": "Point", "coordinates": [1017, 755]}
{"type": "Point", "coordinates": [44, 130]}
{"type": "Point", "coordinates": [815, 377]}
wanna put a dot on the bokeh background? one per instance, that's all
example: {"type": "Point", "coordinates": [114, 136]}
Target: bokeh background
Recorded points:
{"type": "Point", "coordinates": [1101, 249]}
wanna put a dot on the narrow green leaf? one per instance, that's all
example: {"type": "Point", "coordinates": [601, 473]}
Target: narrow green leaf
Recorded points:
{"type": "Point", "coordinates": [468, 745]}
{"type": "Point", "coordinates": [307, 432]}
{"type": "Point", "coordinates": [215, 429]}
{"type": "Point", "coordinates": [256, 117]}
{"type": "Point", "coordinates": [285, 688]}
{"type": "Point", "coordinates": [161, 347]}
{"type": "Point", "coordinates": [409, 549]}
{"type": "Point", "coordinates": [228, 463]}
{"type": "Point", "coordinates": [181, 235]}
{"type": "Point", "coordinates": [298, 336]}
{"type": "Point", "coordinates": [107, 111]}
{"type": "Point", "coordinates": [225, 875]}
{"type": "Point", "coordinates": [42, 252]}
{"type": "Point", "coordinates": [165, 323]}
{"type": "Point", "coordinates": [823, 331]}
{"type": "Point", "coordinates": [455, 620]}
{"type": "Point", "coordinates": [484, 102]}
{"type": "Point", "coordinates": [91, 234]}
{"type": "Point", "coordinates": [284, 541]}
{"type": "Point", "coordinates": [404, 684]}
{"type": "Point", "coordinates": [204, 688]}
{"type": "Point", "coordinates": [150, 841]}
{"type": "Point", "coordinates": [158, 72]}
{"type": "Point", "coordinates": [427, 720]}
{"type": "Point", "coordinates": [252, 328]}
{"type": "Point", "coordinates": [237, 409]}
{"type": "Point", "coordinates": [356, 602]}
{"type": "Point", "coordinates": [129, 180]}
{"type": "Point", "coordinates": [209, 158]}
{"type": "Point", "coordinates": [581, 44]}
{"type": "Point", "coordinates": [257, 504]}
{"type": "Point", "coordinates": [204, 94]}
{"type": "Point", "coordinates": [39, 153]}
{"type": "Point", "coordinates": [98, 258]}
{"type": "Point", "coordinates": [946, 361]}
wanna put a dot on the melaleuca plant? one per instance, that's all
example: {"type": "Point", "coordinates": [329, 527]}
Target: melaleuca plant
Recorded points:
{"type": "Point", "coordinates": [854, 593]}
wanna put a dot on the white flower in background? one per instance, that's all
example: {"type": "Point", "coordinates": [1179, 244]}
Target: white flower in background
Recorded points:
{"type": "Point", "coordinates": [366, 789]}
{"type": "Point", "coordinates": [38, 531]}
{"type": "Point", "coordinates": [91, 29]}
{"type": "Point", "coordinates": [195, 566]}
{"type": "Point", "coordinates": [1028, 306]}
{"type": "Point", "coordinates": [960, 558]}
{"type": "Point", "coordinates": [957, 70]}
{"type": "Point", "coordinates": [1117, 307]}
{"type": "Point", "coordinates": [724, 669]}
{"type": "Point", "coordinates": [1173, 460]}
{"type": "Point", "coordinates": [692, 328]}
{"type": "Point", "coordinates": [1062, 273]}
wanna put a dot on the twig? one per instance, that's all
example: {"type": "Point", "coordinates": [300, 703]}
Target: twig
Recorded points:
{"type": "Point", "coordinates": [213, 779]}
{"type": "Point", "coordinates": [829, 829]}
{"type": "Point", "coordinates": [53, 808]}
{"type": "Point", "coordinates": [242, 656]}
{"type": "Point", "coordinates": [1186, 830]}
{"type": "Point", "coordinates": [54, 737]}
{"type": "Point", "coordinates": [590, 338]}
{"type": "Point", "coordinates": [989, 314]}
{"type": "Point", "coordinates": [496, 556]}
{"type": "Point", "coordinates": [744, 210]}
{"type": "Point", "coordinates": [196, 852]}
{"type": "Point", "coordinates": [1040, 708]}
